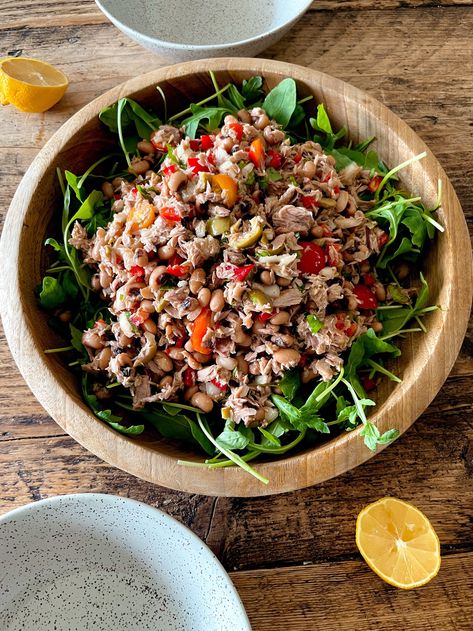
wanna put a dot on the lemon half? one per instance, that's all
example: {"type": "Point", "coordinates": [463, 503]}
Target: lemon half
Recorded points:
{"type": "Point", "coordinates": [398, 542]}
{"type": "Point", "coordinates": [30, 85]}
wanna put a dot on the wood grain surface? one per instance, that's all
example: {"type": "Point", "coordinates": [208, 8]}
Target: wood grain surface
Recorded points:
{"type": "Point", "coordinates": [294, 555]}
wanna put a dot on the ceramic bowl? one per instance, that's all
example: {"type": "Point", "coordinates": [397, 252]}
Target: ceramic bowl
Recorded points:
{"type": "Point", "coordinates": [184, 30]}
{"type": "Point", "coordinates": [426, 359]}
{"type": "Point", "coordinates": [91, 561]}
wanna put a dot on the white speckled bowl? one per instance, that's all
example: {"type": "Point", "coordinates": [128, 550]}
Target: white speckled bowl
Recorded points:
{"type": "Point", "coordinates": [108, 563]}
{"type": "Point", "coordinates": [182, 30]}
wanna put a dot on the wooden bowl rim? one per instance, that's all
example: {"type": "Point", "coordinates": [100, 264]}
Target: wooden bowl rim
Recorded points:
{"type": "Point", "coordinates": [286, 474]}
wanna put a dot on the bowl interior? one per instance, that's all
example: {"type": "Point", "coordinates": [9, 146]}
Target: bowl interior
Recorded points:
{"type": "Point", "coordinates": [83, 140]}
{"type": "Point", "coordinates": [211, 23]}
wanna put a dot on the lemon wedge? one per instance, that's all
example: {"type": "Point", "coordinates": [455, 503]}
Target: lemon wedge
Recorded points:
{"type": "Point", "coordinates": [30, 85]}
{"type": "Point", "coordinates": [398, 542]}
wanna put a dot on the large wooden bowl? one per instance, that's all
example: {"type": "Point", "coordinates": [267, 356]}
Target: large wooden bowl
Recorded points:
{"type": "Point", "coordinates": [426, 358]}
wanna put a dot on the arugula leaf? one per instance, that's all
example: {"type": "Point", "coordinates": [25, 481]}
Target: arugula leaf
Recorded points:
{"type": "Point", "coordinates": [280, 103]}
{"type": "Point", "coordinates": [131, 113]}
{"type": "Point", "coordinates": [51, 295]}
{"type": "Point", "coordinates": [322, 124]}
{"type": "Point", "coordinates": [362, 349]}
{"type": "Point", "coordinates": [232, 438]}
{"type": "Point", "coordinates": [251, 88]}
{"type": "Point", "coordinates": [87, 208]}
{"type": "Point", "coordinates": [177, 427]}
{"type": "Point", "coordinates": [213, 115]}
{"type": "Point", "coordinates": [394, 320]}
{"type": "Point", "coordinates": [73, 181]}
{"type": "Point", "coordinates": [300, 419]}
{"type": "Point", "coordinates": [372, 436]}
{"type": "Point", "coordinates": [288, 411]}
{"type": "Point", "coordinates": [270, 439]}
{"type": "Point", "coordinates": [76, 338]}
{"type": "Point", "coordinates": [290, 383]}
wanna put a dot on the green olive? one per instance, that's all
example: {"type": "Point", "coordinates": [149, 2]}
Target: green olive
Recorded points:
{"type": "Point", "coordinates": [259, 298]}
{"type": "Point", "coordinates": [243, 240]}
{"type": "Point", "coordinates": [218, 226]}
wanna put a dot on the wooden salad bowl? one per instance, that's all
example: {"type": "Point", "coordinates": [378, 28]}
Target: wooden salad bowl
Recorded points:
{"type": "Point", "coordinates": [426, 359]}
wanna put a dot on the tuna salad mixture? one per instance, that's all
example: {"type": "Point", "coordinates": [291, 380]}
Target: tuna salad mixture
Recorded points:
{"type": "Point", "coordinates": [216, 280]}
{"type": "Point", "coordinates": [232, 266]}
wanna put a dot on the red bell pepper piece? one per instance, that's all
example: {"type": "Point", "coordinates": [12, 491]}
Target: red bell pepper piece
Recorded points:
{"type": "Point", "coordinates": [366, 298]}
{"type": "Point", "coordinates": [194, 145]}
{"type": "Point", "coordinates": [238, 129]}
{"type": "Point", "coordinates": [369, 280]}
{"type": "Point", "coordinates": [240, 273]}
{"type": "Point", "coordinates": [297, 158]}
{"type": "Point", "coordinates": [265, 316]}
{"type": "Point", "coordinates": [170, 214]}
{"type": "Point", "coordinates": [175, 260]}
{"type": "Point", "coordinates": [374, 183]}
{"type": "Point", "coordinates": [206, 142]}
{"type": "Point", "coordinates": [199, 330]}
{"type": "Point", "coordinates": [189, 377]}
{"type": "Point", "coordinates": [256, 153]}
{"type": "Point", "coordinates": [308, 201]}
{"type": "Point", "coordinates": [313, 258]}
{"type": "Point", "coordinates": [172, 168]}
{"type": "Point", "coordinates": [196, 166]}
{"type": "Point", "coordinates": [219, 384]}
{"type": "Point", "coordinates": [137, 271]}
{"type": "Point", "coordinates": [177, 270]}
{"type": "Point", "coordinates": [275, 159]}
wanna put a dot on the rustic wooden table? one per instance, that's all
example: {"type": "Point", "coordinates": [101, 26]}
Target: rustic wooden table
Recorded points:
{"type": "Point", "coordinates": [292, 557]}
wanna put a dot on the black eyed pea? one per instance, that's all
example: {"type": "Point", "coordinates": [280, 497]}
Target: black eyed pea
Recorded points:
{"type": "Point", "coordinates": [92, 340]}
{"type": "Point", "coordinates": [273, 136]}
{"type": "Point", "coordinates": [309, 169]}
{"type": "Point", "coordinates": [200, 357]}
{"type": "Point", "coordinates": [105, 279]}
{"type": "Point", "coordinates": [262, 121]}
{"type": "Point", "coordinates": [155, 276]}
{"type": "Point", "coordinates": [147, 293]}
{"type": "Point", "coordinates": [166, 381]}
{"type": "Point", "coordinates": [280, 318]}
{"type": "Point", "coordinates": [283, 282]}
{"type": "Point", "coordinates": [124, 340]}
{"type": "Point", "coordinates": [139, 167]}
{"type": "Point", "coordinates": [403, 271]}
{"type": "Point", "coordinates": [202, 401]}
{"type": "Point", "coordinates": [196, 280]}
{"type": "Point", "coordinates": [147, 305]}
{"type": "Point", "coordinates": [95, 282]}
{"type": "Point", "coordinates": [266, 278]}
{"type": "Point", "coordinates": [145, 146]}
{"type": "Point", "coordinates": [165, 252]}
{"type": "Point", "coordinates": [342, 201]}
{"type": "Point", "coordinates": [376, 326]}
{"type": "Point", "coordinates": [140, 257]}
{"type": "Point", "coordinates": [189, 392]}
{"type": "Point", "coordinates": [163, 361]}
{"type": "Point", "coordinates": [287, 357]}
{"type": "Point", "coordinates": [217, 302]}
{"type": "Point", "coordinates": [107, 190]}
{"type": "Point", "coordinates": [105, 357]}
{"type": "Point", "coordinates": [380, 292]}
{"type": "Point", "coordinates": [150, 326]}
{"type": "Point", "coordinates": [176, 180]}
{"type": "Point", "coordinates": [244, 116]}
{"type": "Point", "coordinates": [204, 296]}
{"type": "Point", "coordinates": [123, 360]}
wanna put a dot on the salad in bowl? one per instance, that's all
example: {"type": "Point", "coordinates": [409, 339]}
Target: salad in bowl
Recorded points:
{"type": "Point", "coordinates": [236, 275]}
